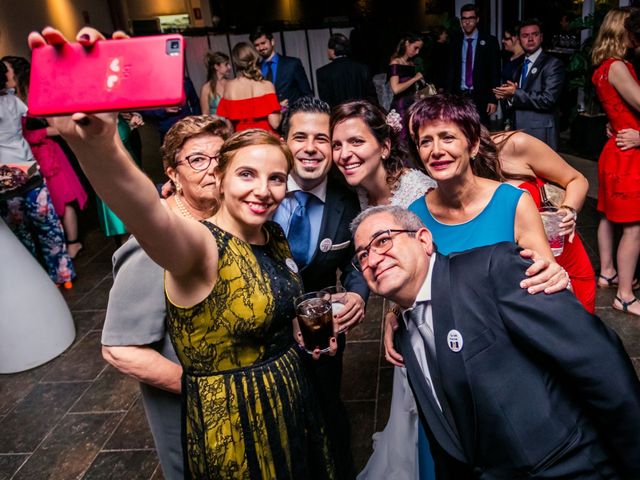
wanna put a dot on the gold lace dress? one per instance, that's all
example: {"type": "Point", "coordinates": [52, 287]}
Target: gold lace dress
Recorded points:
{"type": "Point", "coordinates": [248, 409]}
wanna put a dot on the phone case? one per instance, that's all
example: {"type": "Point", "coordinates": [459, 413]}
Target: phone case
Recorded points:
{"type": "Point", "coordinates": [112, 75]}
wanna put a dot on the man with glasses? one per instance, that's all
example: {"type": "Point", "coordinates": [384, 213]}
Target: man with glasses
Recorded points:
{"type": "Point", "coordinates": [315, 215]}
{"type": "Point", "coordinates": [507, 384]}
{"type": "Point", "coordinates": [475, 64]}
{"type": "Point", "coordinates": [535, 89]}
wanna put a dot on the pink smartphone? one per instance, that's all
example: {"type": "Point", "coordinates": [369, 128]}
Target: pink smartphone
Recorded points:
{"type": "Point", "coordinates": [112, 75]}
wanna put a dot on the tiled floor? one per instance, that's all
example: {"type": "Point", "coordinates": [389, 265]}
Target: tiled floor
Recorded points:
{"type": "Point", "coordinates": [76, 417]}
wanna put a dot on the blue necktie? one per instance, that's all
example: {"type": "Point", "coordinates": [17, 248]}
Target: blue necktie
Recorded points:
{"type": "Point", "coordinates": [300, 229]}
{"type": "Point", "coordinates": [525, 70]}
{"type": "Point", "coordinates": [269, 75]}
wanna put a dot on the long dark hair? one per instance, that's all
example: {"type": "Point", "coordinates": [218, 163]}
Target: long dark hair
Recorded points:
{"type": "Point", "coordinates": [490, 149]}
{"type": "Point", "coordinates": [212, 59]}
{"type": "Point", "coordinates": [462, 112]}
{"type": "Point", "coordinates": [21, 71]}
{"type": "Point", "coordinates": [401, 48]}
{"type": "Point", "coordinates": [376, 120]}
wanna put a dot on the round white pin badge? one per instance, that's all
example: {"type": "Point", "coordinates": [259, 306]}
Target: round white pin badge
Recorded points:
{"type": "Point", "coordinates": [325, 245]}
{"type": "Point", "coordinates": [455, 341]}
{"type": "Point", "coordinates": [292, 265]}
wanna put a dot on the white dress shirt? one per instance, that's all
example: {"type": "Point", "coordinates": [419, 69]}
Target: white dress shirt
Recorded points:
{"type": "Point", "coordinates": [315, 210]}
{"type": "Point", "coordinates": [423, 333]}
{"type": "Point", "coordinates": [532, 59]}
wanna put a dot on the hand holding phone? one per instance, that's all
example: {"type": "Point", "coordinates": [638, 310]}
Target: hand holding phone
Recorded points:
{"type": "Point", "coordinates": [98, 75]}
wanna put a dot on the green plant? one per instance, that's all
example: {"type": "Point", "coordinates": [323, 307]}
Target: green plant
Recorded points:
{"type": "Point", "coordinates": [580, 68]}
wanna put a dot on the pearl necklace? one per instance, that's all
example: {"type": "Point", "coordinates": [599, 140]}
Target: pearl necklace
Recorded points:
{"type": "Point", "coordinates": [183, 210]}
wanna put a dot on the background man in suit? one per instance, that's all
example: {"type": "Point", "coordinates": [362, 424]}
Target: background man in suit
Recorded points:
{"type": "Point", "coordinates": [475, 64]}
{"type": "Point", "coordinates": [286, 73]}
{"type": "Point", "coordinates": [343, 79]}
{"type": "Point", "coordinates": [508, 384]}
{"type": "Point", "coordinates": [535, 91]}
{"type": "Point", "coordinates": [315, 215]}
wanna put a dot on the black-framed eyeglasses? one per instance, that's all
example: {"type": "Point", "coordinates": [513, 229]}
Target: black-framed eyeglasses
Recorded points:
{"type": "Point", "coordinates": [199, 161]}
{"type": "Point", "coordinates": [468, 19]}
{"type": "Point", "coordinates": [380, 243]}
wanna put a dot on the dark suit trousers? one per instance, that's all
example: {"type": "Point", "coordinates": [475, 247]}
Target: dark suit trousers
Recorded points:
{"type": "Point", "coordinates": [481, 106]}
{"type": "Point", "coordinates": [326, 374]}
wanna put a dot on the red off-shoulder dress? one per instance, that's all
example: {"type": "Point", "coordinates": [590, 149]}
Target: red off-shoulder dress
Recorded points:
{"type": "Point", "coordinates": [249, 112]}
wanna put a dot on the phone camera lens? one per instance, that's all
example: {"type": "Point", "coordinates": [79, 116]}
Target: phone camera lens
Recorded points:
{"type": "Point", "coordinates": [173, 47]}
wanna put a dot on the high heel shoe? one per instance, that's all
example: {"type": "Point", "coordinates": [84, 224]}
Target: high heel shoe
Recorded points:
{"type": "Point", "coordinates": [75, 242]}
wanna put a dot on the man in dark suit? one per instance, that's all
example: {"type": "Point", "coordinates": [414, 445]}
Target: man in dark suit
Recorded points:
{"type": "Point", "coordinates": [474, 69]}
{"type": "Point", "coordinates": [315, 215]}
{"type": "Point", "coordinates": [286, 73]}
{"type": "Point", "coordinates": [343, 79]}
{"type": "Point", "coordinates": [536, 90]}
{"type": "Point", "coordinates": [508, 385]}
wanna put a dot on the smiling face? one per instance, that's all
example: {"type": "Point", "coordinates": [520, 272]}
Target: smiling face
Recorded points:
{"type": "Point", "coordinates": [222, 69]}
{"type": "Point", "coordinates": [356, 151]}
{"type": "Point", "coordinates": [199, 188]}
{"type": "Point", "coordinates": [264, 46]}
{"type": "Point", "coordinates": [398, 273]}
{"type": "Point", "coordinates": [530, 38]}
{"type": "Point", "coordinates": [253, 185]}
{"type": "Point", "coordinates": [309, 141]}
{"type": "Point", "coordinates": [444, 150]}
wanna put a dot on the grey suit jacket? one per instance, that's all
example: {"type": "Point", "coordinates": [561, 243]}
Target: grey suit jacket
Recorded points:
{"type": "Point", "coordinates": [535, 103]}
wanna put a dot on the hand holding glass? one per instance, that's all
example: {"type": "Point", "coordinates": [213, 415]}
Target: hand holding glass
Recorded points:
{"type": "Point", "coordinates": [315, 318]}
{"type": "Point", "coordinates": [551, 219]}
{"type": "Point", "coordinates": [338, 297]}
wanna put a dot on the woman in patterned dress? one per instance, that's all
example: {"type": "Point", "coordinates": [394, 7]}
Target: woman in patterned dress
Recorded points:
{"type": "Point", "coordinates": [248, 408]}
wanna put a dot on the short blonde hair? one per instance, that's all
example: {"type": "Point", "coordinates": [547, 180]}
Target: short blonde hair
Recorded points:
{"type": "Point", "coordinates": [612, 38]}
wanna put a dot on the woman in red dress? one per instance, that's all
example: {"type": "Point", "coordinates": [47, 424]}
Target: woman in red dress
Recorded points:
{"type": "Point", "coordinates": [529, 163]}
{"type": "Point", "coordinates": [249, 100]}
{"type": "Point", "coordinates": [618, 170]}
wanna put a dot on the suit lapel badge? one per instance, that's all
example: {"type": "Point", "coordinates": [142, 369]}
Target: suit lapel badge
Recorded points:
{"type": "Point", "coordinates": [482, 42]}
{"type": "Point", "coordinates": [325, 245]}
{"type": "Point", "coordinates": [455, 341]}
{"type": "Point", "coordinates": [534, 70]}
{"type": "Point", "coordinates": [292, 265]}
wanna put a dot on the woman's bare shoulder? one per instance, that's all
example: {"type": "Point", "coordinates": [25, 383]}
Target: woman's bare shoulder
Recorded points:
{"type": "Point", "coordinates": [264, 87]}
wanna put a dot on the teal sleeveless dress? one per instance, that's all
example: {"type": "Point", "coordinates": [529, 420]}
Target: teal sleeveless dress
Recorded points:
{"type": "Point", "coordinates": [493, 225]}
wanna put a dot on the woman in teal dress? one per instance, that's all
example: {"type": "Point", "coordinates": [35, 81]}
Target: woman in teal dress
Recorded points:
{"type": "Point", "coordinates": [218, 70]}
{"type": "Point", "coordinates": [110, 224]}
{"type": "Point", "coordinates": [470, 206]}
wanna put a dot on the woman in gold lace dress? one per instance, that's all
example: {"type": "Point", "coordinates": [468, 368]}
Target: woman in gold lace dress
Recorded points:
{"type": "Point", "coordinates": [248, 409]}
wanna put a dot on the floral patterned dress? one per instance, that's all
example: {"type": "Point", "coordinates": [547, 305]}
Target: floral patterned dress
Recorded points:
{"type": "Point", "coordinates": [248, 408]}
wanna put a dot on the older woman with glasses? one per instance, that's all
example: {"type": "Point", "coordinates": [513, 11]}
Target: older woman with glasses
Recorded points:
{"type": "Point", "coordinates": [135, 337]}
{"type": "Point", "coordinates": [248, 406]}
